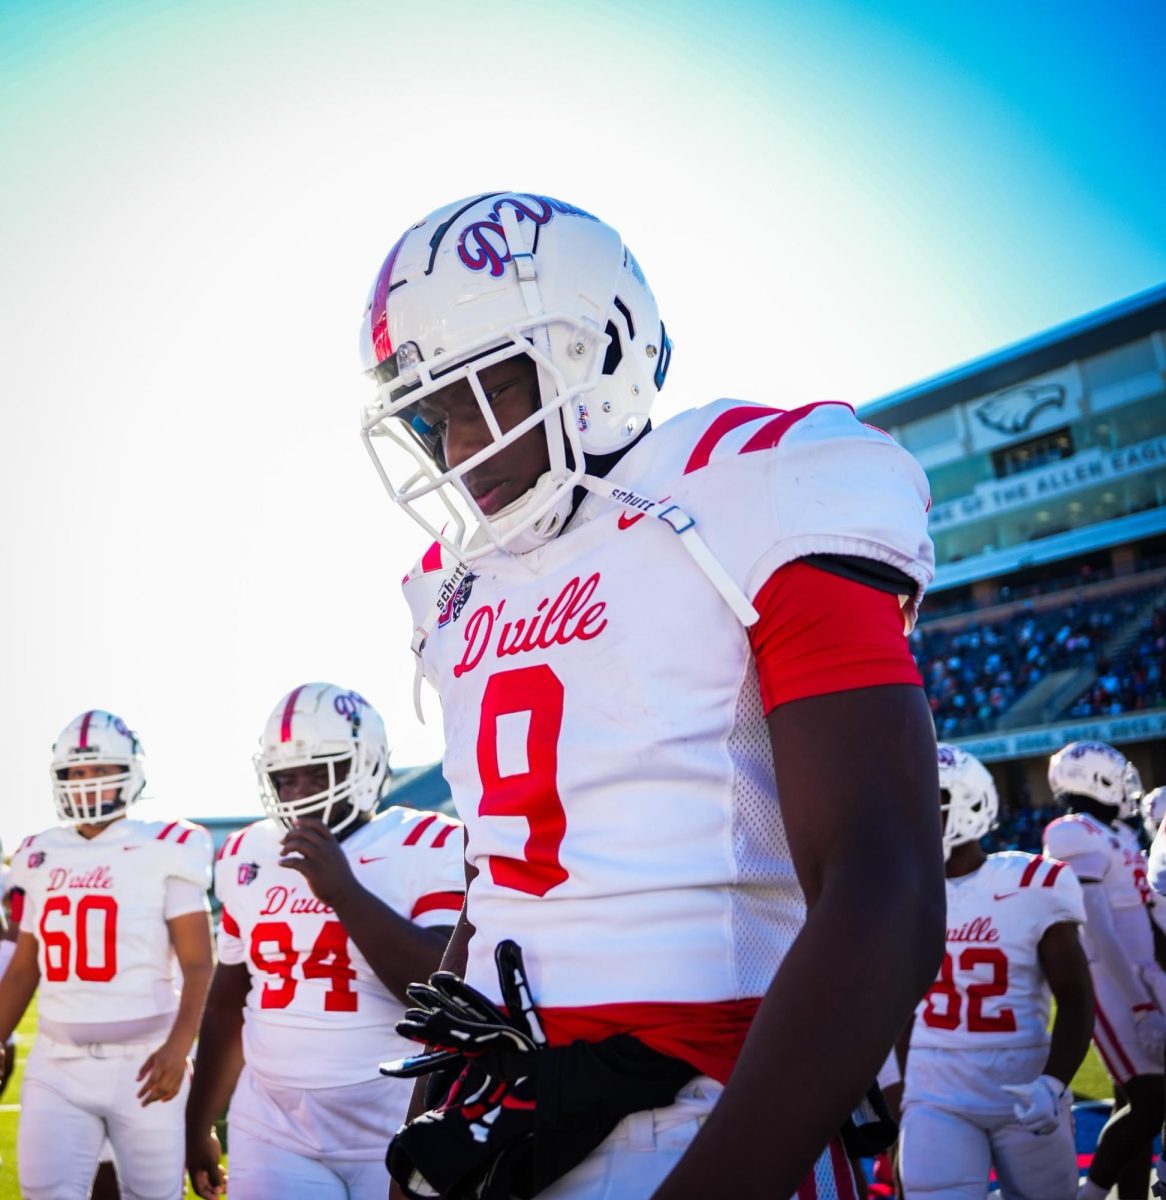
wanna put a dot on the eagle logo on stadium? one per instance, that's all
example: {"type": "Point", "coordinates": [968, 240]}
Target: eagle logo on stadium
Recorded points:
{"type": "Point", "coordinates": [248, 872]}
{"type": "Point", "coordinates": [36, 858]}
{"type": "Point", "coordinates": [1014, 411]}
{"type": "Point", "coordinates": [457, 601]}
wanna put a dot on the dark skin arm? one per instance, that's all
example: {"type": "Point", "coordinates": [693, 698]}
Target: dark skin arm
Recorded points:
{"type": "Point", "coordinates": [857, 776]}
{"type": "Point", "coordinates": [399, 952]}
{"type": "Point", "coordinates": [1065, 966]}
{"type": "Point", "coordinates": [455, 959]}
{"type": "Point", "coordinates": [216, 1071]}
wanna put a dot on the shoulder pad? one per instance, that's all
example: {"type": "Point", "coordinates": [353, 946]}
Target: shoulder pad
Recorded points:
{"type": "Point", "coordinates": [1070, 837]}
{"type": "Point", "coordinates": [413, 827]}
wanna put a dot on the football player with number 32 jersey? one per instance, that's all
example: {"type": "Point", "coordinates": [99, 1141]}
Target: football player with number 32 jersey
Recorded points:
{"type": "Point", "coordinates": [108, 905]}
{"type": "Point", "coordinates": [986, 1085]}
{"type": "Point", "coordinates": [328, 912]}
{"type": "Point", "coordinates": [640, 638]}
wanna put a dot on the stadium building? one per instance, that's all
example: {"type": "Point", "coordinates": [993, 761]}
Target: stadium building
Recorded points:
{"type": "Point", "coordinates": [1046, 622]}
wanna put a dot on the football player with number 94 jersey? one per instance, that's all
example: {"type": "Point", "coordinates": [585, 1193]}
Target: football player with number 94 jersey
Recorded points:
{"type": "Point", "coordinates": [108, 905]}
{"type": "Point", "coordinates": [328, 913]}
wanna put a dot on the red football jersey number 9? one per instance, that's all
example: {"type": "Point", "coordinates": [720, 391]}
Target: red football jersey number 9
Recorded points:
{"type": "Point", "coordinates": [533, 793]}
{"type": "Point", "coordinates": [58, 946]}
{"type": "Point", "coordinates": [328, 959]}
{"type": "Point", "coordinates": [946, 989]}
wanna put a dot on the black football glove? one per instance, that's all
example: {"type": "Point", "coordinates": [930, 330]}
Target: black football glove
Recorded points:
{"type": "Point", "coordinates": [467, 1146]}
{"type": "Point", "coordinates": [519, 1114]}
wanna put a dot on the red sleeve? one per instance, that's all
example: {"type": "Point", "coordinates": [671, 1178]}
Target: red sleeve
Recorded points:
{"type": "Point", "coordinates": [230, 925]}
{"type": "Point", "coordinates": [821, 633]}
{"type": "Point", "coordinates": [16, 905]}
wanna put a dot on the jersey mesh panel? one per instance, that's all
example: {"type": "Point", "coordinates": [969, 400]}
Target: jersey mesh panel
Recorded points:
{"type": "Point", "coordinates": [768, 909]}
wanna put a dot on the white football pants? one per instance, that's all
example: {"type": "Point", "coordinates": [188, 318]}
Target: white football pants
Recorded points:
{"type": "Point", "coordinates": [950, 1155]}
{"type": "Point", "coordinates": [258, 1170]}
{"type": "Point", "coordinates": [72, 1098]}
{"type": "Point", "coordinates": [643, 1148]}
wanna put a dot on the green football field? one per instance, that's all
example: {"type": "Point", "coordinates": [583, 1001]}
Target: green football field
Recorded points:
{"type": "Point", "coordinates": [1090, 1083]}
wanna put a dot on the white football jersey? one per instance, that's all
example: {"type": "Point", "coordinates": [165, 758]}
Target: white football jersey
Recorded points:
{"type": "Point", "coordinates": [1114, 861]}
{"type": "Point", "coordinates": [605, 738]}
{"type": "Point", "coordinates": [98, 909]}
{"type": "Point", "coordinates": [991, 991]}
{"type": "Point", "coordinates": [316, 1014]}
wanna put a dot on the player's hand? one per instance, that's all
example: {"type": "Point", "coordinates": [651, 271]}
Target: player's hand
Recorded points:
{"type": "Point", "coordinates": [1038, 1104]}
{"type": "Point", "coordinates": [204, 1160]}
{"type": "Point", "coordinates": [316, 854]}
{"type": "Point", "coordinates": [1151, 1033]}
{"type": "Point", "coordinates": [162, 1073]}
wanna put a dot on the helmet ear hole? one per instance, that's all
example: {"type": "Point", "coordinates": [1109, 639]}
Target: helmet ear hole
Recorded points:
{"type": "Point", "coordinates": [614, 355]}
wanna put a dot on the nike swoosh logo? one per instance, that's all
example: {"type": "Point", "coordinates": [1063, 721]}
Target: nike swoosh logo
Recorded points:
{"type": "Point", "coordinates": [626, 522]}
{"type": "Point", "coordinates": [368, 860]}
{"type": "Point", "coordinates": [1004, 895]}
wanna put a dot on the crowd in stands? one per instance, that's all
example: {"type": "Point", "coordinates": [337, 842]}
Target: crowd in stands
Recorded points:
{"type": "Point", "coordinates": [1020, 826]}
{"type": "Point", "coordinates": [975, 672]}
{"type": "Point", "coordinates": [1132, 681]}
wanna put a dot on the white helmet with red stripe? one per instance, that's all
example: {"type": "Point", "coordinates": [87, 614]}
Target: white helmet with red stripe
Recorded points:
{"type": "Point", "coordinates": [321, 725]}
{"type": "Point", "coordinates": [96, 739]}
{"type": "Point", "coordinates": [967, 795]}
{"type": "Point", "coordinates": [1095, 770]}
{"type": "Point", "coordinates": [483, 280]}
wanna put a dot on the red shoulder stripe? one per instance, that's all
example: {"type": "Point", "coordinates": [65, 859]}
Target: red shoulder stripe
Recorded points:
{"type": "Point", "coordinates": [771, 433]}
{"type": "Point", "coordinates": [722, 425]}
{"type": "Point", "coordinates": [1031, 870]}
{"type": "Point", "coordinates": [418, 829]}
{"type": "Point", "coordinates": [166, 831]}
{"type": "Point", "coordinates": [443, 836]}
{"type": "Point", "coordinates": [1051, 877]}
{"type": "Point", "coordinates": [448, 900]}
{"type": "Point", "coordinates": [431, 559]}
{"type": "Point", "coordinates": [184, 835]}
{"type": "Point", "coordinates": [28, 841]}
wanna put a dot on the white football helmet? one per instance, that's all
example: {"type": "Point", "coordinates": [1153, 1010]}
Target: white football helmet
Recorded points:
{"type": "Point", "coordinates": [1092, 769]}
{"type": "Point", "coordinates": [968, 799]}
{"type": "Point", "coordinates": [319, 723]}
{"type": "Point", "coordinates": [1153, 810]}
{"type": "Point", "coordinates": [96, 738]}
{"type": "Point", "coordinates": [483, 280]}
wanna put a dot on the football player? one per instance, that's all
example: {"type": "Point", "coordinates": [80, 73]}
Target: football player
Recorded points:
{"type": "Point", "coordinates": [1096, 783]}
{"type": "Point", "coordinates": [108, 904]}
{"type": "Point", "coordinates": [641, 638]}
{"type": "Point", "coordinates": [986, 1086]}
{"type": "Point", "coordinates": [328, 913]}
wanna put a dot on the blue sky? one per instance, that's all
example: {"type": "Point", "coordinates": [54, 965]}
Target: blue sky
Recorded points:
{"type": "Point", "coordinates": [830, 200]}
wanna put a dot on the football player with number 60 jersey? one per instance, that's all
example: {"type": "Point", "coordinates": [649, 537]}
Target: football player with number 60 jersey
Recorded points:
{"type": "Point", "coordinates": [328, 913]}
{"type": "Point", "coordinates": [108, 905]}
{"type": "Point", "coordinates": [986, 1085]}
